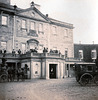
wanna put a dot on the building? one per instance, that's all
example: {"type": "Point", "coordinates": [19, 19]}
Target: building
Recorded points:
{"type": "Point", "coordinates": [86, 52]}
{"type": "Point", "coordinates": [29, 29]}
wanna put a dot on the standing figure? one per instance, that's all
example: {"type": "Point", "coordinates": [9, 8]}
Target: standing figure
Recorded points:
{"type": "Point", "coordinates": [13, 52]}
{"type": "Point", "coordinates": [19, 51]}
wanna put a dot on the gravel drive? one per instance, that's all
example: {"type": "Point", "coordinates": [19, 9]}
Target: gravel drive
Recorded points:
{"type": "Point", "coordinates": [52, 89]}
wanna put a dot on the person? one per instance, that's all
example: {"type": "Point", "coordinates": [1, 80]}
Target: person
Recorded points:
{"type": "Point", "coordinates": [4, 51]}
{"type": "Point", "coordinates": [0, 51]}
{"type": "Point", "coordinates": [10, 75]}
{"type": "Point", "coordinates": [13, 52]}
{"type": "Point", "coordinates": [19, 51]}
{"type": "Point", "coordinates": [96, 62]}
{"type": "Point", "coordinates": [18, 73]}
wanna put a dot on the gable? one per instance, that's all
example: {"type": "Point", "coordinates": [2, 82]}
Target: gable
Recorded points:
{"type": "Point", "coordinates": [33, 13]}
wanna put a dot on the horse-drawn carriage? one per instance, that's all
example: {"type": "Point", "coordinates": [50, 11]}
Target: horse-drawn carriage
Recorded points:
{"type": "Point", "coordinates": [86, 73]}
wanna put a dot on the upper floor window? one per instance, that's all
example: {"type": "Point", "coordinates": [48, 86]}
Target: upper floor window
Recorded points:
{"type": "Point", "coordinates": [66, 52]}
{"type": "Point", "coordinates": [24, 24]}
{"type": "Point", "coordinates": [32, 25]}
{"type": "Point", "coordinates": [54, 30]}
{"type": "Point", "coordinates": [41, 27]}
{"type": "Point", "coordinates": [66, 32]}
{"type": "Point", "coordinates": [23, 48]}
{"type": "Point", "coordinates": [40, 30]}
{"type": "Point", "coordinates": [4, 20]}
{"type": "Point", "coordinates": [81, 54]}
{"type": "Point", "coordinates": [3, 45]}
{"type": "Point", "coordinates": [54, 48]}
{"type": "Point", "coordinates": [93, 54]}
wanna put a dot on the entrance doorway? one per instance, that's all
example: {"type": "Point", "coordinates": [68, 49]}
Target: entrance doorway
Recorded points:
{"type": "Point", "coordinates": [52, 71]}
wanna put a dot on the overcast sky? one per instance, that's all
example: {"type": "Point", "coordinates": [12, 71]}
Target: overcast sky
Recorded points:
{"type": "Point", "coordinates": [83, 14]}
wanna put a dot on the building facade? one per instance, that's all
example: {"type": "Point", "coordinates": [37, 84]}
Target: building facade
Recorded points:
{"type": "Point", "coordinates": [86, 52]}
{"type": "Point", "coordinates": [28, 30]}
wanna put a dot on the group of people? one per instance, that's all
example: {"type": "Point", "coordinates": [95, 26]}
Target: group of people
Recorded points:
{"type": "Point", "coordinates": [16, 74]}
{"type": "Point", "coordinates": [13, 52]}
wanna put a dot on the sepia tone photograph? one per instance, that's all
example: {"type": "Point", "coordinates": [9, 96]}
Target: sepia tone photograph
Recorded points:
{"type": "Point", "coordinates": [48, 50]}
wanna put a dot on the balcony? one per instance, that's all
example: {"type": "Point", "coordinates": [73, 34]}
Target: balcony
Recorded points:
{"type": "Point", "coordinates": [32, 33]}
{"type": "Point", "coordinates": [43, 55]}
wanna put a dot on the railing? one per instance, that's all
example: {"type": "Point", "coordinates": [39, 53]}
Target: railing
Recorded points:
{"type": "Point", "coordinates": [33, 54]}
{"type": "Point", "coordinates": [72, 59]}
{"type": "Point", "coordinates": [9, 55]}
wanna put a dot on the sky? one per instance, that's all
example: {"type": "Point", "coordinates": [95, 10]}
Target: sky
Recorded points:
{"type": "Point", "coordinates": [83, 14]}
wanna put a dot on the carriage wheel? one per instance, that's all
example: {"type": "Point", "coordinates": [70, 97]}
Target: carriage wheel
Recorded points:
{"type": "Point", "coordinates": [3, 78]}
{"type": "Point", "coordinates": [96, 79]}
{"type": "Point", "coordinates": [85, 79]}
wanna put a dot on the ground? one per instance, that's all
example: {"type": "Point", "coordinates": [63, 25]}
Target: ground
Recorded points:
{"type": "Point", "coordinates": [52, 89]}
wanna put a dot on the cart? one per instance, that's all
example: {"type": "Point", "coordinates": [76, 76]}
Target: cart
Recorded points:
{"type": "Point", "coordinates": [86, 73]}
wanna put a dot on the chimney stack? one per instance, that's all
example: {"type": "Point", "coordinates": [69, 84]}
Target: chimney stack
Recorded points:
{"type": "Point", "coordinates": [46, 15]}
{"type": "Point", "coordinates": [5, 1]}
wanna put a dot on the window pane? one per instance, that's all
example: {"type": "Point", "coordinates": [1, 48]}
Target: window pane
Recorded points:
{"type": "Point", "coordinates": [93, 54]}
{"type": "Point", "coordinates": [32, 26]}
{"type": "Point", "coordinates": [41, 27]}
{"type": "Point", "coordinates": [4, 20]}
{"type": "Point", "coordinates": [3, 45]}
{"type": "Point", "coordinates": [23, 48]}
{"type": "Point", "coordinates": [81, 54]}
{"type": "Point", "coordinates": [23, 24]}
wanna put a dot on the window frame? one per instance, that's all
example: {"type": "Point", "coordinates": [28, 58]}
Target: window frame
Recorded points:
{"type": "Point", "coordinates": [23, 51]}
{"type": "Point", "coordinates": [3, 47]}
{"type": "Point", "coordinates": [81, 51]}
{"type": "Point", "coordinates": [23, 24]}
{"type": "Point", "coordinates": [94, 51]}
{"type": "Point", "coordinates": [6, 16]}
{"type": "Point", "coordinates": [40, 30]}
{"type": "Point", "coordinates": [34, 25]}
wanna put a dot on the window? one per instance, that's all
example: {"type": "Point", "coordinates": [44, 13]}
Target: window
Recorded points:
{"type": "Point", "coordinates": [66, 32]}
{"type": "Point", "coordinates": [32, 25]}
{"type": "Point", "coordinates": [24, 24]}
{"type": "Point", "coordinates": [54, 48]}
{"type": "Point", "coordinates": [23, 48]}
{"type": "Point", "coordinates": [93, 54]}
{"type": "Point", "coordinates": [4, 20]}
{"type": "Point", "coordinates": [40, 49]}
{"type": "Point", "coordinates": [81, 54]}
{"type": "Point", "coordinates": [66, 52]}
{"type": "Point", "coordinates": [3, 45]}
{"type": "Point", "coordinates": [40, 28]}
{"type": "Point", "coordinates": [89, 68]}
{"type": "Point", "coordinates": [54, 30]}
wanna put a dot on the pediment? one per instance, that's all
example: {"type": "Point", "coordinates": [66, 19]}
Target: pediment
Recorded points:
{"type": "Point", "coordinates": [33, 13]}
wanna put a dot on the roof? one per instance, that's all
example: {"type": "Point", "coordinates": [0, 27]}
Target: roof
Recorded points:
{"type": "Point", "coordinates": [17, 11]}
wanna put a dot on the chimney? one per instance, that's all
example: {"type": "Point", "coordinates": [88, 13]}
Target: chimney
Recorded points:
{"type": "Point", "coordinates": [5, 1]}
{"type": "Point", "coordinates": [35, 5]}
{"type": "Point", "coordinates": [46, 15]}
{"type": "Point", "coordinates": [15, 7]}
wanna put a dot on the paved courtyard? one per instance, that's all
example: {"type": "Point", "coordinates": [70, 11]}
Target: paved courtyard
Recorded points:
{"type": "Point", "coordinates": [52, 89]}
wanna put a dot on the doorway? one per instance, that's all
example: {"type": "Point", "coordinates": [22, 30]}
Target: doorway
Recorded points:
{"type": "Point", "coordinates": [52, 71]}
